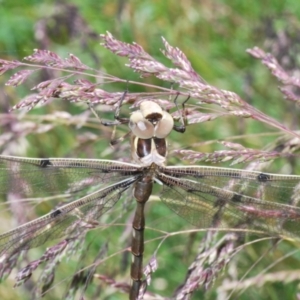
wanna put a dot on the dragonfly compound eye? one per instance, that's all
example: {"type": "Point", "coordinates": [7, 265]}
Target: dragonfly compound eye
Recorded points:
{"type": "Point", "coordinates": [141, 127]}
{"type": "Point", "coordinates": [164, 126]}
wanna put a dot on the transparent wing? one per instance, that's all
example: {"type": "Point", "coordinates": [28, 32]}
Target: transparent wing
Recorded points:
{"type": "Point", "coordinates": [97, 184]}
{"type": "Point", "coordinates": [68, 220]}
{"type": "Point", "coordinates": [44, 177]}
{"type": "Point", "coordinates": [211, 197]}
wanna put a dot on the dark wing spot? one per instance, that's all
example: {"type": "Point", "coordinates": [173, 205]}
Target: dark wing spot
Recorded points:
{"type": "Point", "coordinates": [263, 177]}
{"type": "Point", "coordinates": [45, 163]}
{"type": "Point", "coordinates": [236, 198]}
{"type": "Point", "coordinates": [56, 213]}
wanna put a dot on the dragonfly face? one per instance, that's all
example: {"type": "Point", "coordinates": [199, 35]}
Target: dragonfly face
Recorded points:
{"type": "Point", "coordinates": [207, 197]}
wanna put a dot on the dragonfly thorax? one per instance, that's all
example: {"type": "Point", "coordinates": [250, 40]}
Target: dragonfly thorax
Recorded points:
{"type": "Point", "coordinates": [148, 151]}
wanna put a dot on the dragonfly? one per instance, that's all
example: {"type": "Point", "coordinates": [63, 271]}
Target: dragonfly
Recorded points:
{"type": "Point", "coordinates": [207, 197]}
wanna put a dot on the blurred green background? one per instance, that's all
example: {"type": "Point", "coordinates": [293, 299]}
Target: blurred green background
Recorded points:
{"type": "Point", "coordinates": [214, 36]}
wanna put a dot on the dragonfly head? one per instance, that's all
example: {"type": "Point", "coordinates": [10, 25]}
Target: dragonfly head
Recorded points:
{"type": "Point", "coordinates": [151, 121]}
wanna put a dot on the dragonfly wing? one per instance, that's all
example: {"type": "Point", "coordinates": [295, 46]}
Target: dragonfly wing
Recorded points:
{"type": "Point", "coordinates": [68, 220]}
{"type": "Point", "coordinates": [52, 176]}
{"type": "Point", "coordinates": [217, 197]}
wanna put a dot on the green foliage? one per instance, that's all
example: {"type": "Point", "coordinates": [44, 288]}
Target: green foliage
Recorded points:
{"type": "Point", "coordinates": [214, 36]}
